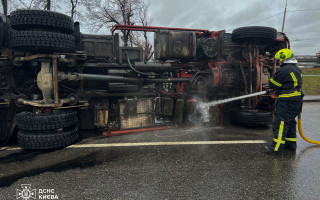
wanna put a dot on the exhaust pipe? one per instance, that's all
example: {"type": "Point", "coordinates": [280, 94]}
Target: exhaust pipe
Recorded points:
{"type": "Point", "coordinates": [97, 77]}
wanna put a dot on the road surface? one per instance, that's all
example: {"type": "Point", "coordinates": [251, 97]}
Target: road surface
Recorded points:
{"type": "Point", "coordinates": [187, 163]}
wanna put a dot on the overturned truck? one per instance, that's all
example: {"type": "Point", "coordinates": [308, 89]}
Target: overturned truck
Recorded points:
{"type": "Point", "coordinates": [54, 80]}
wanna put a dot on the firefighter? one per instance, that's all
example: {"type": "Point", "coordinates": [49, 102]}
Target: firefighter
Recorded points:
{"type": "Point", "coordinates": [286, 84]}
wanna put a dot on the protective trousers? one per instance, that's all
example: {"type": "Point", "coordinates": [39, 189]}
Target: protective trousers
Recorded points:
{"type": "Point", "coordinates": [284, 124]}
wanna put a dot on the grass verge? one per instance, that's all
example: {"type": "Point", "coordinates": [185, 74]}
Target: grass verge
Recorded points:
{"type": "Point", "coordinates": [311, 84]}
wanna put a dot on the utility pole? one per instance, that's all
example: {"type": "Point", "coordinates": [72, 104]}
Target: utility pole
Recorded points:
{"type": "Point", "coordinates": [284, 16]}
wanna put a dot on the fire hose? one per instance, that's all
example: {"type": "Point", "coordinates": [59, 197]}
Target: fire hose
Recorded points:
{"type": "Point", "coordinates": [260, 93]}
{"type": "Point", "coordinates": [301, 132]}
{"type": "Point", "coordinates": [300, 126]}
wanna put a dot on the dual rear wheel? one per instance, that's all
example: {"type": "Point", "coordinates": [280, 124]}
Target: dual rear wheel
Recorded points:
{"type": "Point", "coordinates": [41, 31]}
{"type": "Point", "coordinates": [47, 131]}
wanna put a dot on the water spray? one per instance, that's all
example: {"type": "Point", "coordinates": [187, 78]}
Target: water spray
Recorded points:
{"type": "Point", "coordinates": [203, 107]}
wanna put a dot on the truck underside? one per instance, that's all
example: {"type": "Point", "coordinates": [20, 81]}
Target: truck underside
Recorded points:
{"type": "Point", "coordinates": [54, 80]}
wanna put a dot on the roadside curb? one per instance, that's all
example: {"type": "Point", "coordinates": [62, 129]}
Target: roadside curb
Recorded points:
{"type": "Point", "coordinates": [311, 100]}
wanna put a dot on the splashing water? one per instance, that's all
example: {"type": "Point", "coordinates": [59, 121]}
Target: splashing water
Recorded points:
{"type": "Point", "coordinates": [203, 107]}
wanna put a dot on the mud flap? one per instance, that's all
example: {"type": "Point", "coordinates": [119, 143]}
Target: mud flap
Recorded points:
{"type": "Point", "coordinates": [7, 121]}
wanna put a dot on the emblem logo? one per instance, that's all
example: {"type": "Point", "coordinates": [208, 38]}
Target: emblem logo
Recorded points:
{"type": "Point", "coordinates": [26, 193]}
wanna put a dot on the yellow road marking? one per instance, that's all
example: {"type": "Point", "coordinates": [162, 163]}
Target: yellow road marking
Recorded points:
{"type": "Point", "coordinates": [136, 144]}
{"type": "Point", "coordinates": [166, 143]}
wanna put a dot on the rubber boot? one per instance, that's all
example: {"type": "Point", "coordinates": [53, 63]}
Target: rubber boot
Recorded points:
{"type": "Point", "coordinates": [292, 146]}
{"type": "Point", "coordinates": [270, 150]}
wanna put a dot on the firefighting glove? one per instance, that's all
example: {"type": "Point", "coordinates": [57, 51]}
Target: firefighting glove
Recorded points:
{"type": "Point", "coordinates": [269, 91]}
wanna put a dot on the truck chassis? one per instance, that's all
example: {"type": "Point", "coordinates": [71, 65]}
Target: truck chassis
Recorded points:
{"type": "Point", "coordinates": [54, 80]}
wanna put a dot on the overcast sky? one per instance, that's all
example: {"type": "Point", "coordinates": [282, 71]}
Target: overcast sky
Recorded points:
{"type": "Point", "coordinates": [302, 21]}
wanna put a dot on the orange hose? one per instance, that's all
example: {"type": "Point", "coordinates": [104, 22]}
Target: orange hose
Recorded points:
{"type": "Point", "coordinates": [301, 132]}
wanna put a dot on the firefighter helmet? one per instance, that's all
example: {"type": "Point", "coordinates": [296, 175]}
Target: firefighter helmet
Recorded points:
{"type": "Point", "coordinates": [283, 54]}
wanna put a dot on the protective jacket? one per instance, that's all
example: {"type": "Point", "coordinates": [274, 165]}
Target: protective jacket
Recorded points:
{"type": "Point", "coordinates": [287, 83]}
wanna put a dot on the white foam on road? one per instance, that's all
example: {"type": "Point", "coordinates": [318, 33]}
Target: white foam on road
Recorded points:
{"type": "Point", "coordinates": [137, 144]}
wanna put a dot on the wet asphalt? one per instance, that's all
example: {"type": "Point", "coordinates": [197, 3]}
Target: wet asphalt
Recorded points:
{"type": "Point", "coordinates": [172, 171]}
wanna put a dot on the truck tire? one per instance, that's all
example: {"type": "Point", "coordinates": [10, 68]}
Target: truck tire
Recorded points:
{"type": "Point", "coordinates": [27, 19]}
{"type": "Point", "coordinates": [257, 34]}
{"type": "Point", "coordinates": [48, 140]}
{"type": "Point", "coordinates": [29, 121]}
{"type": "Point", "coordinates": [251, 118]}
{"type": "Point", "coordinates": [42, 41]}
{"type": "Point", "coordinates": [7, 122]}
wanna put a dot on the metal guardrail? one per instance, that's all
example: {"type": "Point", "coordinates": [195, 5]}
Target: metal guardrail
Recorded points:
{"type": "Point", "coordinates": [310, 75]}
{"type": "Point", "coordinates": [307, 59]}
{"type": "Point", "coordinates": [309, 64]}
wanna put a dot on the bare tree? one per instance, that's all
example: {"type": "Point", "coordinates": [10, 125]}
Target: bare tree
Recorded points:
{"type": "Point", "coordinates": [106, 13]}
{"type": "Point", "coordinates": [74, 6]}
{"type": "Point", "coordinates": [34, 4]}
{"type": "Point", "coordinates": [146, 21]}
{"type": "Point", "coordinates": [42, 4]}
{"type": "Point", "coordinates": [15, 4]}
{"type": "Point", "coordinates": [141, 39]}
{"type": "Point", "coordinates": [5, 7]}
{"type": "Point", "coordinates": [48, 5]}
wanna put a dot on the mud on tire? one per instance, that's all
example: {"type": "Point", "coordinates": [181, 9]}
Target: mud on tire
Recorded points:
{"type": "Point", "coordinates": [48, 140]}
{"type": "Point", "coordinates": [42, 41]}
{"type": "Point", "coordinates": [26, 19]}
{"type": "Point", "coordinates": [29, 121]}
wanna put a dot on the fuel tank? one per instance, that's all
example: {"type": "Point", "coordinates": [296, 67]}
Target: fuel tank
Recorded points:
{"type": "Point", "coordinates": [175, 45]}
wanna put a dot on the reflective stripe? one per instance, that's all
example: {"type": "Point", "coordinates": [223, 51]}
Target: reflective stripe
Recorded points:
{"type": "Point", "coordinates": [294, 79]}
{"type": "Point", "coordinates": [279, 141]}
{"type": "Point", "coordinates": [291, 139]}
{"type": "Point", "coordinates": [275, 82]}
{"type": "Point", "coordinates": [276, 140]}
{"type": "Point", "coordinates": [290, 95]}
{"type": "Point", "coordinates": [301, 75]}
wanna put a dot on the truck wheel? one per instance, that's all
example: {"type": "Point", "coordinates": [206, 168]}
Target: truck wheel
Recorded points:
{"type": "Point", "coordinates": [257, 34]}
{"type": "Point", "coordinates": [26, 19]}
{"type": "Point", "coordinates": [7, 122]}
{"type": "Point", "coordinates": [251, 118]}
{"type": "Point", "coordinates": [29, 121]}
{"type": "Point", "coordinates": [48, 140]}
{"type": "Point", "coordinates": [42, 41]}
